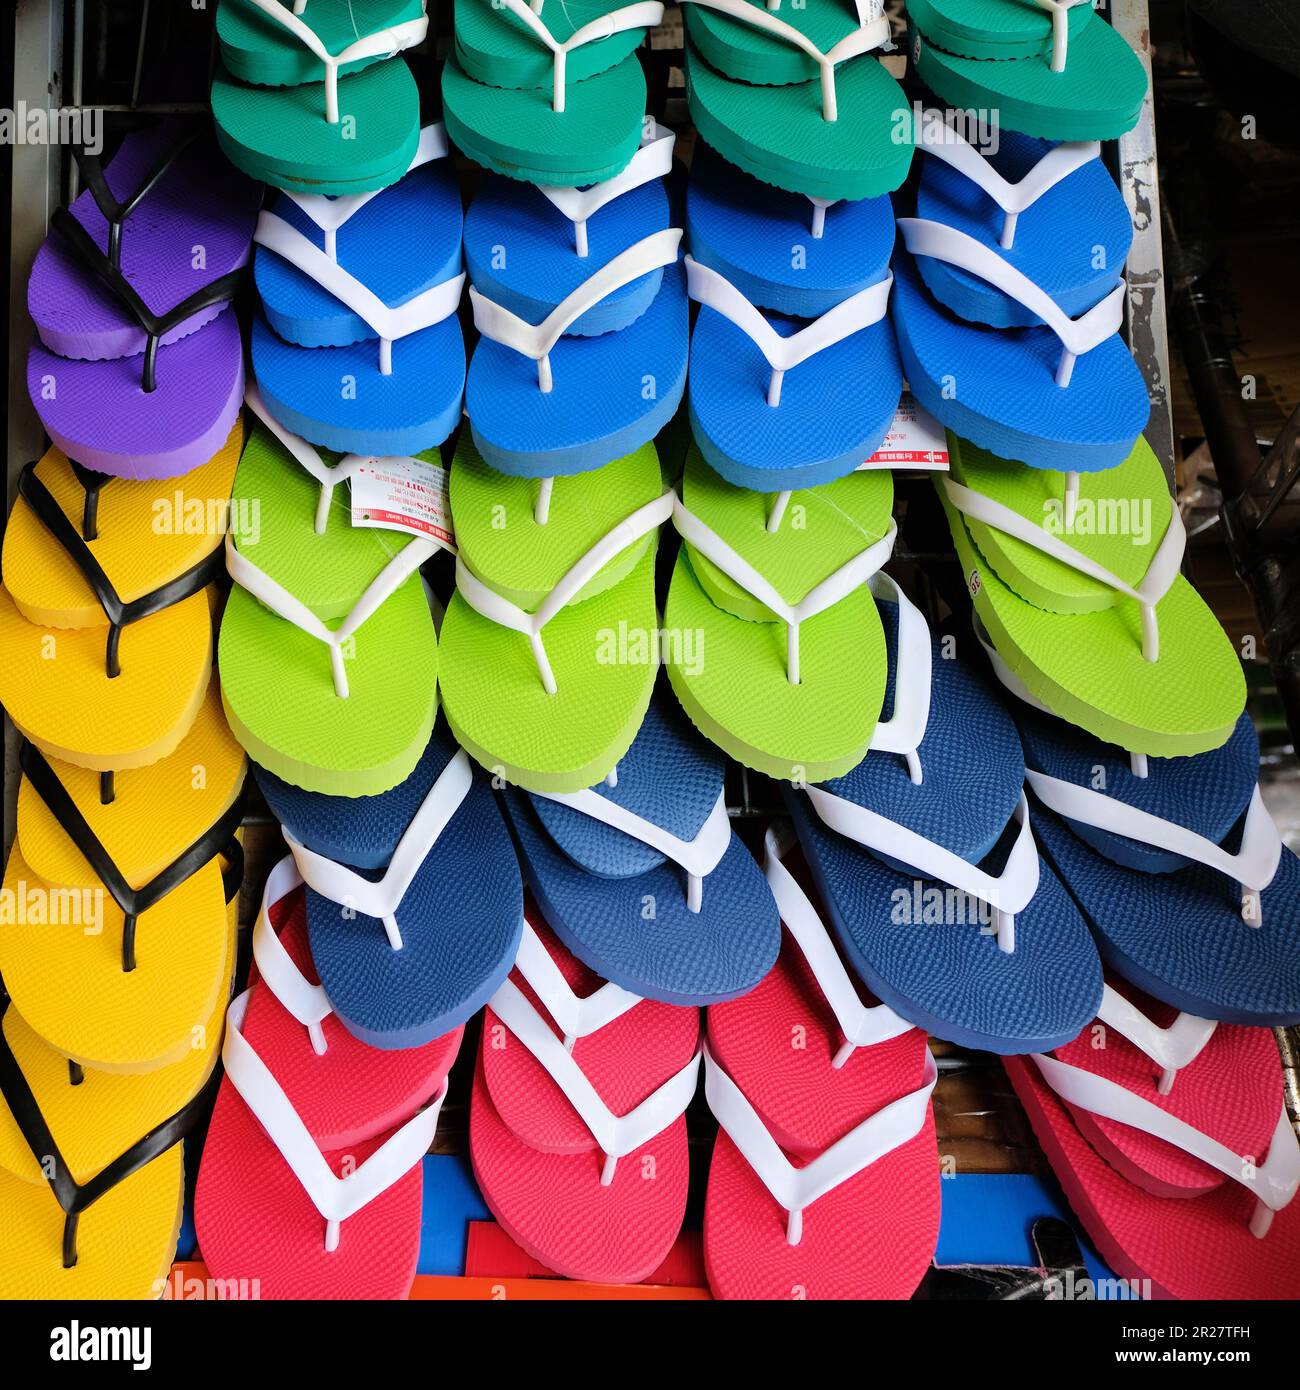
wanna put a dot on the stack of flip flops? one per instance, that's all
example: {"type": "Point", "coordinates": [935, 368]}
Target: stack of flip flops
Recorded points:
{"type": "Point", "coordinates": [117, 949]}
{"type": "Point", "coordinates": [550, 645]}
{"type": "Point", "coordinates": [313, 96]}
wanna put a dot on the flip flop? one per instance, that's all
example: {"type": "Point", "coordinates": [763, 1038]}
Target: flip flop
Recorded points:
{"type": "Point", "coordinates": [539, 420]}
{"type": "Point", "coordinates": [762, 431]}
{"type": "Point", "coordinates": [353, 131]}
{"type": "Point", "coordinates": [784, 251]}
{"type": "Point", "coordinates": [1094, 619]}
{"type": "Point", "coordinates": [399, 241]}
{"type": "Point", "coordinates": [528, 248]}
{"type": "Point", "coordinates": [141, 222]}
{"type": "Point", "coordinates": [1221, 1079]}
{"type": "Point", "coordinates": [293, 1220]}
{"type": "Point", "coordinates": [606, 867]}
{"type": "Point", "coordinates": [872, 1210]}
{"type": "Point", "coordinates": [1013, 963]}
{"type": "Point", "coordinates": [799, 703]}
{"type": "Point", "coordinates": [1082, 83]}
{"type": "Point", "coordinates": [826, 130]}
{"type": "Point", "coordinates": [108, 1226]}
{"type": "Point", "coordinates": [104, 671]}
{"type": "Point", "coordinates": [1228, 1243]}
{"type": "Point", "coordinates": [1050, 210]}
{"type": "Point", "coordinates": [578, 1099]}
{"type": "Point", "coordinates": [399, 396]}
{"type": "Point", "coordinates": [121, 972]}
{"type": "Point", "coordinates": [550, 98]}
{"type": "Point", "coordinates": [521, 691]}
{"type": "Point", "coordinates": [404, 953]}
{"type": "Point", "coordinates": [1064, 395]}
{"type": "Point", "coordinates": [354, 724]}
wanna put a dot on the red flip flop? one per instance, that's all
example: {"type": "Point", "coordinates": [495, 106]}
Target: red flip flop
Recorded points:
{"type": "Point", "coordinates": [1239, 1241]}
{"type": "Point", "coordinates": [1222, 1079]}
{"type": "Point", "coordinates": [576, 1130]}
{"type": "Point", "coordinates": [303, 1191]}
{"type": "Point", "coordinates": [823, 1103]}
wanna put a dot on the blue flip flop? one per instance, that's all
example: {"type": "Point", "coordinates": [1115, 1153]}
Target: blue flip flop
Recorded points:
{"type": "Point", "coordinates": [1052, 211]}
{"type": "Point", "coordinates": [778, 404]}
{"type": "Point", "coordinates": [529, 246]}
{"type": "Point", "coordinates": [1065, 395]}
{"type": "Point", "coordinates": [530, 393]}
{"type": "Point", "coordinates": [399, 242]}
{"type": "Point", "coordinates": [415, 938]}
{"type": "Point", "coordinates": [1192, 938]}
{"type": "Point", "coordinates": [783, 251]}
{"type": "Point", "coordinates": [645, 881]}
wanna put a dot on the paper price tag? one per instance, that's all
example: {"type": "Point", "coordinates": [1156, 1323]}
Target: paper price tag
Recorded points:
{"type": "Point", "coordinates": [915, 440]}
{"type": "Point", "coordinates": [403, 494]}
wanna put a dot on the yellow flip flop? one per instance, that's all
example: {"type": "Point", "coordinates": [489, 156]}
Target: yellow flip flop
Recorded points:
{"type": "Point", "coordinates": [144, 818]}
{"type": "Point", "coordinates": [62, 953]}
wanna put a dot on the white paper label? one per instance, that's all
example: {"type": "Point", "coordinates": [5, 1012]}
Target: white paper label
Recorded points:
{"type": "Point", "coordinates": [915, 440]}
{"type": "Point", "coordinates": [403, 494]}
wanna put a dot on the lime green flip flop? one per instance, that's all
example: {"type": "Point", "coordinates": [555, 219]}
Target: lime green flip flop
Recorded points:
{"type": "Point", "coordinates": [328, 655]}
{"type": "Point", "coordinates": [837, 125]}
{"type": "Point", "coordinates": [997, 28]}
{"type": "Point", "coordinates": [548, 692]}
{"type": "Point", "coordinates": [555, 96]}
{"type": "Point", "coordinates": [780, 656]}
{"type": "Point", "coordinates": [325, 133]}
{"type": "Point", "coordinates": [1088, 85]}
{"type": "Point", "coordinates": [1083, 600]}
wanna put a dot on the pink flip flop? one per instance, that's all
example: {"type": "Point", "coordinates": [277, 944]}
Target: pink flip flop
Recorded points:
{"type": "Point", "coordinates": [310, 1183]}
{"type": "Point", "coordinates": [825, 1174]}
{"type": "Point", "coordinates": [576, 1130]}
{"type": "Point", "coordinates": [1222, 1079]}
{"type": "Point", "coordinates": [1241, 1240]}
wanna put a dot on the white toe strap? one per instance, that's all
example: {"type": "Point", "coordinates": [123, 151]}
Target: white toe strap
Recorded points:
{"type": "Point", "coordinates": [1273, 1183]}
{"type": "Point", "coordinates": [335, 1198]}
{"type": "Point", "coordinates": [382, 898]}
{"type": "Point", "coordinates": [1060, 11]}
{"type": "Point", "coordinates": [275, 966]}
{"type": "Point", "coordinates": [1171, 1049]}
{"type": "Point", "coordinates": [904, 731]}
{"type": "Point", "coordinates": [796, 1189]}
{"type": "Point", "coordinates": [615, 1135]}
{"type": "Point", "coordinates": [576, 1017]}
{"type": "Point", "coordinates": [860, 1026]}
{"type": "Point", "coordinates": [1006, 893]}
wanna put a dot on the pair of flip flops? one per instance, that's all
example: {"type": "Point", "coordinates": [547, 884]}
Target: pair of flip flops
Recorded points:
{"type": "Point", "coordinates": [824, 1180]}
{"type": "Point", "coordinates": [413, 899]}
{"type": "Point", "coordinates": [805, 395]}
{"type": "Point", "coordinates": [1175, 862]}
{"type": "Point", "coordinates": [357, 347]}
{"type": "Point", "coordinates": [642, 877]}
{"type": "Point", "coordinates": [328, 650]}
{"type": "Point", "coordinates": [1081, 596]}
{"type": "Point", "coordinates": [795, 96]}
{"type": "Point", "coordinates": [1052, 68]}
{"type": "Point", "coordinates": [926, 857]}
{"type": "Point", "coordinates": [310, 1184]}
{"type": "Point", "coordinates": [1171, 1138]}
{"type": "Point", "coordinates": [313, 97]}
{"type": "Point", "coordinates": [138, 369]}
{"type": "Point", "coordinates": [550, 94]}
{"type": "Point", "coordinates": [778, 654]}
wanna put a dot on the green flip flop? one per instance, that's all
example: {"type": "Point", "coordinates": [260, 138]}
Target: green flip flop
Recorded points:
{"type": "Point", "coordinates": [328, 654]}
{"type": "Point", "coordinates": [349, 125]}
{"type": "Point", "coordinates": [522, 535]}
{"type": "Point", "coordinates": [258, 45]}
{"type": "Point", "coordinates": [786, 666]}
{"type": "Point", "coordinates": [501, 44]}
{"type": "Point", "coordinates": [1097, 95]}
{"type": "Point", "coordinates": [1089, 612]}
{"type": "Point", "coordinates": [844, 132]}
{"type": "Point", "coordinates": [549, 694]}
{"type": "Point", "coordinates": [994, 28]}
{"type": "Point", "coordinates": [761, 57]}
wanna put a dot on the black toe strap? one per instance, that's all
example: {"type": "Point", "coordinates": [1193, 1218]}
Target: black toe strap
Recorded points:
{"type": "Point", "coordinates": [217, 838]}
